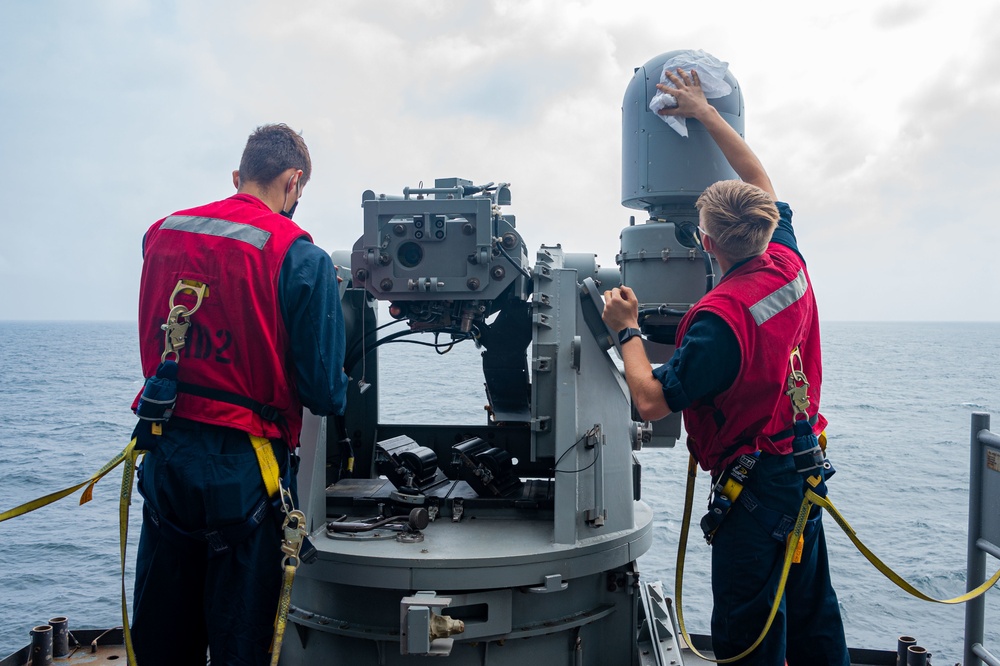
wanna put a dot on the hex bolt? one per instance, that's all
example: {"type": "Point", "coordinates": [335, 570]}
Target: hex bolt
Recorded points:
{"type": "Point", "coordinates": [398, 229]}
{"type": "Point", "coordinates": [498, 272]}
{"type": "Point", "coordinates": [439, 234]}
{"type": "Point", "coordinates": [385, 285]}
{"type": "Point", "coordinates": [468, 228]}
{"type": "Point", "coordinates": [361, 275]}
{"type": "Point", "coordinates": [472, 284]}
{"type": "Point", "coordinates": [509, 241]}
{"type": "Point", "coordinates": [384, 259]}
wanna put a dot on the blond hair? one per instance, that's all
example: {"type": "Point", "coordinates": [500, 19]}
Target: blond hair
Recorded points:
{"type": "Point", "coordinates": [739, 217]}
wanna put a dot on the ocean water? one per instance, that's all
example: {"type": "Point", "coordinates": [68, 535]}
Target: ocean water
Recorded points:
{"type": "Point", "coordinates": [899, 398]}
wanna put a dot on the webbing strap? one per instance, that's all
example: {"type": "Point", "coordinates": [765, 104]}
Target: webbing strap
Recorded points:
{"type": "Point", "coordinates": [281, 616]}
{"type": "Point", "coordinates": [269, 413]}
{"type": "Point", "coordinates": [793, 542]}
{"type": "Point", "coordinates": [269, 470]}
{"type": "Point", "coordinates": [810, 499]}
{"type": "Point", "coordinates": [128, 476]}
{"type": "Point", "coordinates": [87, 495]}
{"type": "Point", "coordinates": [884, 568]}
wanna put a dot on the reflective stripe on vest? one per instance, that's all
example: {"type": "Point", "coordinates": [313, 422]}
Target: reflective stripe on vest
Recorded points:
{"type": "Point", "coordinates": [779, 299]}
{"type": "Point", "coordinates": [213, 226]}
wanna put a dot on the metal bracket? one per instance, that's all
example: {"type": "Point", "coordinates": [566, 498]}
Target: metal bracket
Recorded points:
{"type": "Point", "coordinates": [542, 300]}
{"type": "Point", "coordinates": [541, 364]}
{"type": "Point", "coordinates": [540, 424]}
{"type": "Point", "coordinates": [542, 271]}
{"type": "Point", "coordinates": [551, 583]}
{"type": "Point", "coordinates": [541, 320]}
{"type": "Point", "coordinates": [421, 631]}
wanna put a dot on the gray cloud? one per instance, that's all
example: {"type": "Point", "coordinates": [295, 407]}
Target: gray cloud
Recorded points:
{"type": "Point", "coordinates": [895, 15]}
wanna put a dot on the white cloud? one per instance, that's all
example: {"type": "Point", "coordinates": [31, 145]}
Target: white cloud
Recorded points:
{"type": "Point", "coordinates": [874, 120]}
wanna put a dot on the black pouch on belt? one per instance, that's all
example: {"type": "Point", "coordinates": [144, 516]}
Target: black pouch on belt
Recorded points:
{"type": "Point", "coordinates": [156, 404]}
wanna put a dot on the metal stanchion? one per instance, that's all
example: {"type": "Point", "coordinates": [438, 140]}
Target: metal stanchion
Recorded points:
{"type": "Point", "coordinates": [901, 644]}
{"type": "Point", "coordinates": [41, 645]}
{"type": "Point", "coordinates": [60, 636]}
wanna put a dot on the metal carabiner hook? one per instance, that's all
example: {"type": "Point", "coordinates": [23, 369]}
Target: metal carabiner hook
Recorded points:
{"type": "Point", "coordinates": [174, 332]}
{"type": "Point", "coordinates": [798, 385]}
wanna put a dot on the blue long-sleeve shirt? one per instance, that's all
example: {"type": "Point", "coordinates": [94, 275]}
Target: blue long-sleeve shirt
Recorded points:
{"type": "Point", "coordinates": [310, 307]}
{"type": "Point", "coordinates": [708, 360]}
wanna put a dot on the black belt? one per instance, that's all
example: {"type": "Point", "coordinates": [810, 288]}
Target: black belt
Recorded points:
{"type": "Point", "coordinates": [787, 433]}
{"type": "Point", "coordinates": [269, 413]}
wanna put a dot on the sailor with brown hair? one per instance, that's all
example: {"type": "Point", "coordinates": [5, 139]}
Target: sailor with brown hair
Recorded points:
{"type": "Point", "coordinates": [263, 337]}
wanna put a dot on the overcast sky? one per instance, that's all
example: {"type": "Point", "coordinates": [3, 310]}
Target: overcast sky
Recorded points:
{"type": "Point", "coordinates": [879, 121]}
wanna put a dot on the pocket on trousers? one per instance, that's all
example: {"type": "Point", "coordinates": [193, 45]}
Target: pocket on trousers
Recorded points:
{"type": "Point", "coordinates": [234, 488]}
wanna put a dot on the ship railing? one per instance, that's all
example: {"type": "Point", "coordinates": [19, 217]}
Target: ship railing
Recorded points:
{"type": "Point", "coordinates": [984, 532]}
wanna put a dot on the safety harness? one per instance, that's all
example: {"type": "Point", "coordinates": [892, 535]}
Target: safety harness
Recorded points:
{"type": "Point", "coordinates": [155, 408]}
{"type": "Point", "coordinates": [810, 461]}
{"type": "Point", "coordinates": [809, 455]}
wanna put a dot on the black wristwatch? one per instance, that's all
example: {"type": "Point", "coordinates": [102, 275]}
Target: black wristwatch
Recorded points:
{"type": "Point", "coordinates": [627, 334]}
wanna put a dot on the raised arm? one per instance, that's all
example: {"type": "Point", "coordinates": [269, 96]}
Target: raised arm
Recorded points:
{"type": "Point", "coordinates": [691, 103]}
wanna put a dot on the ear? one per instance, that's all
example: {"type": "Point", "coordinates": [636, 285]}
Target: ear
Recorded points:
{"type": "Point", "coordinates": [707, 243]}
{"type": "Point", "coordinates": [236, 178]}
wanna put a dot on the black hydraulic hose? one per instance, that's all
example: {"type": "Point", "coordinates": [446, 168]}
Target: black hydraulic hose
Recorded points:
{"type": "Point", "coordinates": [356, 355]}
{"type": "Point", "coordinates": [513, 263]}
{"type": "Point", "coordinates": [417, 519]}
{"type": "Point", "coordinates": [353, 350]}
{"type": "Point", "coordinates": [353, 359]}
{"type": "Point", "coordinates": [660, 310]}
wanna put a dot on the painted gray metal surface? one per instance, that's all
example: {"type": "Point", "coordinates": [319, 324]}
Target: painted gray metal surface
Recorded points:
{"type": "Point", "coordinates": [545, 573]}
{"type": "Point", "coordinates": [659, 166]}
{"type": "Point", "coordinates": [984, 531]}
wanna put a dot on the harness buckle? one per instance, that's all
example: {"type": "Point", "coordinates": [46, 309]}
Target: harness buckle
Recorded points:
{"type": "Point", "coordinates": [725, 492]}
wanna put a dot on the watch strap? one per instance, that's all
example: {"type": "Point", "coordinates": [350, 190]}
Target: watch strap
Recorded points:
{"type": "Point", "coordinates": [627, 334]}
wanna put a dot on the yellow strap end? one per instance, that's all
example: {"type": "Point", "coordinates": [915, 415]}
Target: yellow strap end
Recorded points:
{"type": "Point", "coordinates": [797, 557]}
{"type": "Point", "coordinates": [88, 494]}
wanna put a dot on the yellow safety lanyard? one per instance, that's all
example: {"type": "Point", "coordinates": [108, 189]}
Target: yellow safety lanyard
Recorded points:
{"type": "Point", "coordinates": [293, 533]}
{"type": "Point", "coordinates": [798, 394]}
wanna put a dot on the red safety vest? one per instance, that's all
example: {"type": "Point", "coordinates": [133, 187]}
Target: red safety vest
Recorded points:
{"type": "Point", "coordinates": [237, 342]}
{"type": "Point", "coordinates": [768, 303]}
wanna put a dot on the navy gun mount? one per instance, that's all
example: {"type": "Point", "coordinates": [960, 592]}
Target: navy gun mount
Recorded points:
{"type": "Point", "coordinates": [513, 540]}
{"type": "Point", "coordinates": [509, 541]}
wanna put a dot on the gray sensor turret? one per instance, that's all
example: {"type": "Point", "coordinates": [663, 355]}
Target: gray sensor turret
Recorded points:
{"type": "Point", "coordinates": [660, 167]}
